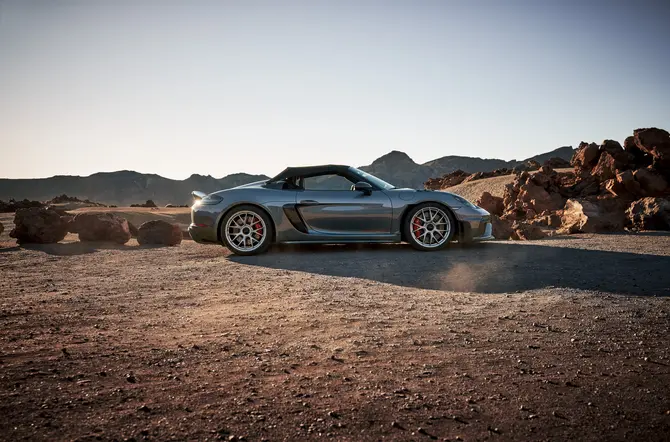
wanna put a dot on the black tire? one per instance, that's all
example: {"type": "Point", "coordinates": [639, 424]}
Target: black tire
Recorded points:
{"type": "Point", "coordinates": [411, 238]}
{"type": "Point", "coordinates": [266, 240]}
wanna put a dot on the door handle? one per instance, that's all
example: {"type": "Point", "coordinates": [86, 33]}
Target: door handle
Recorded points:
{"type": "Point", "coordinates": [308, 203]}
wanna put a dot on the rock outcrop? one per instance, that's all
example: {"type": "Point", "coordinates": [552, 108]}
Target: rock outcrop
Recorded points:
{"type": "Point", "coordinates": [502, 229]}
{"type": "Point", "coordinates": [583, 216]}
{"type": "Point", "coordinates": [612, 187]}
{"type": "Point", "coordinates": [493, 204]}
{"type": "Point", "coordinates": [649, 214]}
{"type": "Point", "coordinates": [39, 225]}
{"type": "Point", "coordinates": [148, 203]}
{"type": "Point", "coordinates": [448, 180]}
{"type": "Point", "coordinates": [656, 143]}
{"type": "Point", "coordinates": [99, 226]}
{"type": "Point", "coordinates": [526, 232]}
{"type": "Point", "coordinates": [64, 199]}
{"type": "Point", "coordinates": [159, 232]}
{"type": "Point", "coordinates": [13, 205]}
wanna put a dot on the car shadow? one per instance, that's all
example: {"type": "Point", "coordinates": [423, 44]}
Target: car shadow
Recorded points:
{"type": "Point", "coordinates": [495, 267]}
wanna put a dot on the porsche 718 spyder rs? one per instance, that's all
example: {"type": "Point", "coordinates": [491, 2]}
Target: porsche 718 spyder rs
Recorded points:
{"type": "Point", "coordinates": [333, 204]}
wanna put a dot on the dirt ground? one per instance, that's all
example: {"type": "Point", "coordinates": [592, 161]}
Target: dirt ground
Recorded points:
{"type": "Point", "coordinates": [560, 339]}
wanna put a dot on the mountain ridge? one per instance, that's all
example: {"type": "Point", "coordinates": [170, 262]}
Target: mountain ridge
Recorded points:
{"type": "Point", "coordinates": [125, 187]}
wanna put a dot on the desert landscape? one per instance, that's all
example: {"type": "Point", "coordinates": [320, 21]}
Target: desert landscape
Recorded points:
{"type": "Point", "coordinates": [168, 168]}
{"type": "Point", "coordinates": [553, 339]}
{"type": "Point", "coordinates": [543, 340]}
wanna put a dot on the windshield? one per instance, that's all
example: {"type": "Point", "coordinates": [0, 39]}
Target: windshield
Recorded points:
{"type": "Point", "coordinates": [373, 179]}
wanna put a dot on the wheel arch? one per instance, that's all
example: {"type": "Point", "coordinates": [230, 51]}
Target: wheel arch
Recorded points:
{"type": "Point", "coordinates": [236, 205]}
{"type": "Point", "coordinates": [410, 207]}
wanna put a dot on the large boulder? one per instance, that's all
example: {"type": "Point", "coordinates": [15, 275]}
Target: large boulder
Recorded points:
{"type": "Point", "coordinates": [651, 181]}
{"type": "Point", "coordinates": [655, 142]}
{"type": "Point", "coordinates": [649, 214]}
{"type": "Point", "coordinates": [159, 232]}
{"type": "Point", "coordinates": [640, 158]}
{"type": "Point", "coordinates": [526, 232]}
{"type": "Point", "coordinates": [38, 225]}
{"type": "Point", "coordinates": [100, 226]}
{"type": "Point", "coordinates": [611, 146]}
{"type": "Point", "coordinates": [626, 180]}
{"type": "Point", "coordinates": [13, 205]}
{"type": "Point", "coordinates": [583, 216]}
{"type": "Point", "coordinates": [538, 199]}
{"type": "Point", "coordinates": [606, 168]}
{"type": "Point", "coordinates": [502, 229]}
{"type": "Point", "coordinates": [586, 156]}
{"type": "Point", "coordinates": [529, 195]}
{"type": "Point", "coordinates": [492, 204]}
{"type": "Point", "coordinates": [589, 185]}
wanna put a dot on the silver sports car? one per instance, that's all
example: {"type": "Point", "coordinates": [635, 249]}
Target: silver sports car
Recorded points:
{"type": "Point", "coordinates": [333, 204]}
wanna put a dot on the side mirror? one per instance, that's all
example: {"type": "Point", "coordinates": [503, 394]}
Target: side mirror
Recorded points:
{"type": "Point", "coordinates": [364, 187]}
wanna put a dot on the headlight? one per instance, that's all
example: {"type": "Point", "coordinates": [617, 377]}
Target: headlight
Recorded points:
{"type": "Point", "coordinates": [465, 202]}
{"type": "Point", "coordinates": [211, 200]}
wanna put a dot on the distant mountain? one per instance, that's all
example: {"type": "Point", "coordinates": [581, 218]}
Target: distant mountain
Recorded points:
{"type": "Point", "coordinates": [121, 188]}
{"type": "Point", "coordinates": [399, 169]}
{"type": "Point", "coordinates": [127, 187]}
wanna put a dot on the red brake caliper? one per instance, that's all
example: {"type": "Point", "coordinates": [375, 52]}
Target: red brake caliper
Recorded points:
{"type": "Point", "coordinates": [259, 227]}
{"type": "Point", "coordinates": [416, 227]}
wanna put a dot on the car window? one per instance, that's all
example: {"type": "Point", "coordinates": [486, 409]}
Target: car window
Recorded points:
{"type": "Point", "coordinates": [327, 182]}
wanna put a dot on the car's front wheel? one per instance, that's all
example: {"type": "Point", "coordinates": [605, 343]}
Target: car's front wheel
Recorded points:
{"type": "Point", "coordinates": [247, 230]}
{"type": "Point", "coordinates": [429, 226]}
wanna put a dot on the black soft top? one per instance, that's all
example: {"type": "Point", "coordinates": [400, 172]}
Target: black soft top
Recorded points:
{"type": "Point", "coordinates": [309, 171]}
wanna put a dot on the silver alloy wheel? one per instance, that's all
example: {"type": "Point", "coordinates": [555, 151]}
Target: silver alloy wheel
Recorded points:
{"type": "Point", "coordinates": [245, 231]}
{"type": "Point", "coordinates": [430, 227]}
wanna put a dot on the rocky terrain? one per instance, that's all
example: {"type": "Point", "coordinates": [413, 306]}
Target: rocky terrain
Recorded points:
{"type": "Point", "coordinates": [109, 331]}
{"type": "Point", "coordinates": [124, 188]}
{"type": "Point", "coordinates": [558, 339]}
{"type": "Point", "coordinates": [612, 188]}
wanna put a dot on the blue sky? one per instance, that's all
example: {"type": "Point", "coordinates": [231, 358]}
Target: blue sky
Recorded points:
{"type": "Point", "coordinates": [217, 87]}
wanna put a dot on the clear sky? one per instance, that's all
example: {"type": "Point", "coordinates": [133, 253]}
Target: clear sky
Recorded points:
{"type": "Point", "coordinates": [217, 87]}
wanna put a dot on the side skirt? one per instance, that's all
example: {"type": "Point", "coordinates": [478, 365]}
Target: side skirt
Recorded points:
{"type": "Point", "coordinates": [393, 239]}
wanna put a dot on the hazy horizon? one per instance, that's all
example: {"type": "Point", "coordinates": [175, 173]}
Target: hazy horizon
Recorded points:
{"type": "Point", "coordinates": [221, 87]}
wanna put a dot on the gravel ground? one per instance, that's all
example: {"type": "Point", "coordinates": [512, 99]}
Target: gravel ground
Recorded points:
{"type": "Point", "coordinates": [561, 339]}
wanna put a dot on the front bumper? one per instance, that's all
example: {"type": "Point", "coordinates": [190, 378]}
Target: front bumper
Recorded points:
{"type": "Point", "coordinates": [488, 233]}
{"type": "Point", "coordinates": [475, 229]}
{"type": "Point", "coordinates": [203, 234]}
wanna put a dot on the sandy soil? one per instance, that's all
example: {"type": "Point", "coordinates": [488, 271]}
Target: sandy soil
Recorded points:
{"type": "Point", "coordinates": [562, 339]}
{"type": "Point", "coordinates": [495, 186]}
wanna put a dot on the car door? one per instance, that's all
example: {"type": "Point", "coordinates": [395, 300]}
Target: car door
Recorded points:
{"type": "Point", "coordinates": [327, 205]}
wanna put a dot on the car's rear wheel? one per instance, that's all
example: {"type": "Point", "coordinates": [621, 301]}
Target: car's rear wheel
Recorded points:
{"type": "Point", "coordinates": [429, 226]}
{"type": "Point", "coordinates": [247, 230]}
